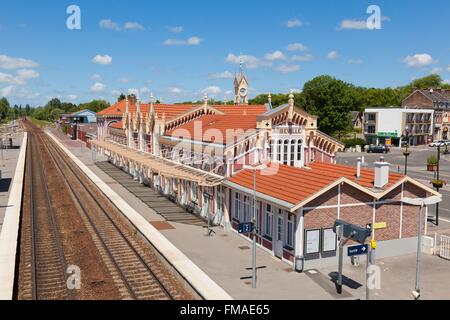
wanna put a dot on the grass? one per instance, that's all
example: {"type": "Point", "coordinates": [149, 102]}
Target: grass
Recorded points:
{"type": "Point", "coordinates": [39, 123]}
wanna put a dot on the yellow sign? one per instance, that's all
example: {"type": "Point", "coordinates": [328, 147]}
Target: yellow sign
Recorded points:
{"type": "Point", "coordinates": [373, 244]}
{"type": "Point", "coordinates": [380, 225]}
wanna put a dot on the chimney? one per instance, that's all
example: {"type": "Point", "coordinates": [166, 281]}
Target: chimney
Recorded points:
{"type": "Point", "coordinates": [358, 169]}
{"type": "Point", "coordinates": [381, 173]}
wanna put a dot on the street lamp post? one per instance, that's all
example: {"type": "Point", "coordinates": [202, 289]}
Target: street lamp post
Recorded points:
{"type": "Point", "coordinates": [254, 231]}
{"type": "Point", "coordinates": [406, 153]}
{"type": "Point", "coordinates": [421, 202]}
{"type": "Point", "coordinates": [437, 186]}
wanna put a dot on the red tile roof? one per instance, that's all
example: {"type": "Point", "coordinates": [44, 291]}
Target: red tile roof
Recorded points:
{"type": "Point", "coordinates": [223, 129]}
{"type": "Point", "coordinates": [117, 125]}
{"type": "Point", "coordinates": [242, 109]}
{"type": "Point", "coordinates": [173, 110]}
{"type": "Point", "coordinates": [116, 109]}
{"type": "Point", "coordinates": [294, 185]}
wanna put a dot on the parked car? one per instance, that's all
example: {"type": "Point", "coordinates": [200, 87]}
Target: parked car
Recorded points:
{"type": "Point", "coordinates": [441, 143]}
{"type": "Point", "coordinates": [378, 149]}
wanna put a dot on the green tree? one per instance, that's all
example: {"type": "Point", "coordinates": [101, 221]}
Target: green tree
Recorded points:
{"type": "Point", "coordinates": [4, 108]}
{"type": "Point", "coordinates": [121, 97]}
{"type": "Point", "coordinates": [94, 105]}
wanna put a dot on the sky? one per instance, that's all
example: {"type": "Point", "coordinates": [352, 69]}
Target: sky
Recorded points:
{"type": "Point", "coordinates": [180, 50]}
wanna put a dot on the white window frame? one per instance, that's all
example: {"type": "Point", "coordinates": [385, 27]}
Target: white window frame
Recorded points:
{"type": "Point", "coordinates": [237, 206]}
{"type": "Point", "coordinates": [268, 221]}
{"type": "Point", "coordinates": [246, 209]}
{"type": "Point", "coordinates": [290, 232]}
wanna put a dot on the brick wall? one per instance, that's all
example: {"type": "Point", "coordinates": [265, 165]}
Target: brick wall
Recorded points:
{"type": "Point", "coordinates": [363, 214]}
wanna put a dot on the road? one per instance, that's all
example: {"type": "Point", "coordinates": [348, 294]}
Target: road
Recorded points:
{"type": "Point", "coordinates": [417, 169]}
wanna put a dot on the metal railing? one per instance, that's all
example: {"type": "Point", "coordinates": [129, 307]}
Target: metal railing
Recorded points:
{"type": "Point", "coordinates": [444, 247]}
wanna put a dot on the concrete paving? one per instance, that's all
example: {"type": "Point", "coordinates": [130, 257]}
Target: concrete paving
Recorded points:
{"type": "Point", "coordinates": [8, 163]}
{"type": "Point", "coordinates": [226, 258]}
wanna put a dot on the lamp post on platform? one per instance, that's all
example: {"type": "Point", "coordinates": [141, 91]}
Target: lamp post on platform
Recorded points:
{"type": "Point", "coordinates": [406, 153]}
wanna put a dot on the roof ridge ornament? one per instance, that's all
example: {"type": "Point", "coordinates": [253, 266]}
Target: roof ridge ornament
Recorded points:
{"type": "Point", "coordinates": [126, 105]}
{"type": "Point", "coordinates": [152, 101]}
{"type": "Point", "coordinates": [291, 105]}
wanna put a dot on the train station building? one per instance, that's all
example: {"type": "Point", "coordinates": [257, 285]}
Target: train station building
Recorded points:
{"type": "Point", "coordinates": [206, 158]}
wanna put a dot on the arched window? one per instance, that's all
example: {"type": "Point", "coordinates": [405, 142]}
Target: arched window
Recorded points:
{"type": "Point", "coordinates": [299, 150]}
{"type": "Point", "coordinates": [285, 151]}
{"type": "Point", "coordinates": [292, 152]}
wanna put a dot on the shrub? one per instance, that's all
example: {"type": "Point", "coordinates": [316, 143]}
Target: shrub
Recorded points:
{"type": "Point", "coordinates": [350, 143]}
{"type": "Point", "coordinates": [432, 160]}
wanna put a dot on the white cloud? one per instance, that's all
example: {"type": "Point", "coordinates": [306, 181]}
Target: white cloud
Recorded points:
{"type": "Point", "coordinates": [354, 61]}
{"type": "Point", "coordinates": [108, 24]}
{"type": "Point", "coordinates": [7, 91]}
{"type": "Point", "coordinates": [72, 97]}
{"type": "Point", "coordinates": [306, 57]}
{"type": "Point", "coordinates": [221, 75]}
{"type": "Point", "coordinates": [287, 68]}
{"type": "Point", "coordinates": [7, 62]}
{"type": "Point", "coordinates": [98, 87]}
{"type": "Point", "coordinates": [436, 70]}
{"type": "Point", "coordinates": [418, 60]}
{"type": "Point", "coordinates": [111, 25]}
{"type": "Point", "coordinates": [176, 29]}
{"type": "Point", "coordinates": [350, 24]}
{"type": "Point", "coordinates": [276, 55]}
{"type": "Point", "coordinates": [446, 81]}
{"type": "Point", "coordinates": [250, 61]}
{"type": "Point", "coordinates": [14, 92]}
{"type": "Point", "coordinates": [294, 23]}
{"type": "Point", "coordinates": [297, 47]}
{"type": "Point", "coordinates": [139, 92]}
{"type": "Point", "coordinates": [20, 78]}
{"type": "Point", "coordinates": [133, 26]}
{"type": "Point", "coordinates": [448, 68]}
{"type": "Point", "coordinates": [102, 59]}
{"type": "Point", "coordinates": [175, 90]}
{"type": "Point", "coordinates": [96, 77]}
{"type": "Point", "coordinates": [332, 55]}
{"type": "Point", "coordinates": [212, 90]}
{"type": "Point", "coordinates": [192, 41]}
{"type": "Point", "coordinates": [125, 80]}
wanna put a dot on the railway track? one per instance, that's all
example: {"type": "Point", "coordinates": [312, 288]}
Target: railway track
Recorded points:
{"type": "Point", "coordinates": [46, 277]}
{"type": "Point", "coordinates": [135, 268]}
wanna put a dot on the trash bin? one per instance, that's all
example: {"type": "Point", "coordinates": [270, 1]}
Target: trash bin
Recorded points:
{"type": "Point", "coordinates": [299, 264]}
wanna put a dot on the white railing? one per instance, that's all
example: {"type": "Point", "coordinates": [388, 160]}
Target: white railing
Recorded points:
{"type": "Point", "coordinates": [444, 247]}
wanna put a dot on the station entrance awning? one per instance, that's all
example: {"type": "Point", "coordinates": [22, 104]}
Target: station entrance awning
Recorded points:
{"type": "Point", "coordinates": [161, 165]}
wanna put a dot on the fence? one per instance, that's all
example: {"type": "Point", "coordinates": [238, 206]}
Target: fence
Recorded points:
{"type": "Point", "coordinates": [444, 247]}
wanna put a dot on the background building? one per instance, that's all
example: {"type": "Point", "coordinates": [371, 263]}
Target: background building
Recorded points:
{"type": "Point", "coordinates": [437, 100]}
{"type": "Point", "coordinates": [387, 125]}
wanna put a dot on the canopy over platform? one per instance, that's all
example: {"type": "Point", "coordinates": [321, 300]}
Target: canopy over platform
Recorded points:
{"type": "Point", "coordinates": [161, 165]}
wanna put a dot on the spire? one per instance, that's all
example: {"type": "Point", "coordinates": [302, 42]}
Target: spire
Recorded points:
{"type": "Point", "coordinates": [152, 100]}
{"type": "Point", "coordinates": [126, 105]}
{"type": "Point", "coordinates": [138, 105]}
{"type": "Point", "coordinates": [269, 98]}
{"type": "Point", "coordinates": [205, 100]}
{"type": "Point", "coordinates": [291, 105]}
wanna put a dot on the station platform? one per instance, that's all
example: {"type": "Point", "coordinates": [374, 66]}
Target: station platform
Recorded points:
{"type": "Point", "coordinates": [225, 256]}
{"type": "Point", "coordinates": [8, 163]}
